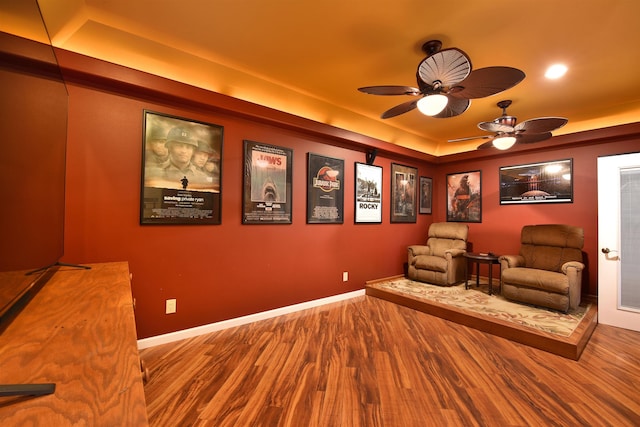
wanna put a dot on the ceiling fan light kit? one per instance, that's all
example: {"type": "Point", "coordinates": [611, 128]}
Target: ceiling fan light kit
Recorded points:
{"type": "Point", "coordinates": [431, 105]}
{"type": "Point", "coordinates": [447, 83]}
{"type": "Point", "coordinates": [504, 142]}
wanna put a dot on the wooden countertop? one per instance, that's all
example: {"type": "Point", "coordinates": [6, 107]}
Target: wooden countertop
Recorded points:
{"type": "Point", "coordinates": [79, 333]}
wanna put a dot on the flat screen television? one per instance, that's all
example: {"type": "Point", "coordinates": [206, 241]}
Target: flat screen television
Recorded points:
{"type": "Point", "coordinates": [33, 136]}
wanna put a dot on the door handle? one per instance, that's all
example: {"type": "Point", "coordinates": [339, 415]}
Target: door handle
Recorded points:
{"type": "Point", "coordinates": [607, 251]}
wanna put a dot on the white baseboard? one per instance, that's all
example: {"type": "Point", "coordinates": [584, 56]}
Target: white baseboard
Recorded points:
{"type": "Point", "coordinates": [238, 321]}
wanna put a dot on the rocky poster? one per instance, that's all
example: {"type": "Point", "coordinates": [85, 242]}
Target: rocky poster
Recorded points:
{"type": "Point", "coordinates": [368, 191]}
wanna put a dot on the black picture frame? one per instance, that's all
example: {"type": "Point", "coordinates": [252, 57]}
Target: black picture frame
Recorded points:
{"type": "Point", "coordinates": [267, 184]}
{"type": "Point", "coordinates": [543, 182]}
{"type": "Point", "coordinates": [425, 195]}
{"type": "Point", "coordinates": [368, 194]}
{"type": "Point", "coordinates": [464, 197]}
{"type": "Point", "coordinates": [404, 181]}
{"type": "Point", "coordinates": [181, 175]}
{"type": "Point", "coordinates": [325, 190]}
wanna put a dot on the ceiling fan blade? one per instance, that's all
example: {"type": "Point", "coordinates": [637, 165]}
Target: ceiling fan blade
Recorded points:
{"type": "Point", "coordinates": [495, 127]}
{"type": "Point", "coordinates": [448, 66]}
{"type": "Point", "coordinates": [400, 109]}
{"type": "Point", "coordinates": [470, 138]}
{"type": "Point", "coordinates": [454, 107]}
{"type": "Point", "coordinates": [530, 138]}
{"type": "Point", "coordinates": [488, 81]}
{"type": "Point", "coordinates": [390, 90]}
{"type": "Point", "coordinates": [541, 124]}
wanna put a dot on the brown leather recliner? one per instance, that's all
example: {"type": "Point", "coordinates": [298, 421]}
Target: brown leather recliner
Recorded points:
{"type": "Point", "coordinates": [441, 260]}
{"type": "Point", "coordinates": [548, 270]}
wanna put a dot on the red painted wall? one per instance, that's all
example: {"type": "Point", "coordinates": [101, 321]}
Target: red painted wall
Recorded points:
{"type": "Point", "coordinates": [215, 272]}
{"type": "Point", "coordinates": [230, 270]}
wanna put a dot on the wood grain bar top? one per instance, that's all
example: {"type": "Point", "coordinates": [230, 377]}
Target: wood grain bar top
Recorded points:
{"type": "Point", "coordinates": [79, 333]}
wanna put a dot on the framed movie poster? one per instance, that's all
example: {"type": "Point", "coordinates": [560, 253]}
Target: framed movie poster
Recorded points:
{"type": "Point", "coordinates": [426, 195]}
{"type": "Point", "coordinates": [368, 192]}
{"type": "Point", "coordinates": [403, 193]}
{"type": "Point", "coordinates": [325, 190]}
{"type": "Point", "coordinates": [545, 182]}
{"type": "Point", "coordinates": [464, 197]}
{"type": "Point", "coordinates": [181, 171]}
{"type": "Point", "coordinates": [267, 184]}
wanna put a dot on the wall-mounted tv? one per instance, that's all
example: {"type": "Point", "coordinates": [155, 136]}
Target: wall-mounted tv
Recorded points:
{"type": "Point", "coordinates": [33, 135]}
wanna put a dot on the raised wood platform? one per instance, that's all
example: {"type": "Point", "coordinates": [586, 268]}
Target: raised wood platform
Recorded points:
{"type": "Point", "coordinates": [570, 347]}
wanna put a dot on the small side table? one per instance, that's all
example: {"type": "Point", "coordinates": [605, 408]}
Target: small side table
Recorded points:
{"type": "Point", "coordinates": [480, 258]}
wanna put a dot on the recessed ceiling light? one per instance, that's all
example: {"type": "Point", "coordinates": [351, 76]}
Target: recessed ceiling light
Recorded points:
{"type": "Point", "coordinates": [556, 71]}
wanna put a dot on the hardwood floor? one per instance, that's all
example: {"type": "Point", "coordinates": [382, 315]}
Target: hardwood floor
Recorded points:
{"type": "Point", "coordinates": [369, 362]}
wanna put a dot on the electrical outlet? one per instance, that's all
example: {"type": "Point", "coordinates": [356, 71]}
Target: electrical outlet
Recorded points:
{"type": "Point", "coordinates": [345, 276]}
{"type": "Point", "coordinates": [170, 306]}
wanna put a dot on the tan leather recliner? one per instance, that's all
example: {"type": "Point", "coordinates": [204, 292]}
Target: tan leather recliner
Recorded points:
{"type": "Point", "coordinates": [441, 260]}
{"type": "Point", "coordinates": [548, 270]}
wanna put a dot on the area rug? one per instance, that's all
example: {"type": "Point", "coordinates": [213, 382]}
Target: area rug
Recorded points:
{"type": "Point", "coordinates": [477, 300]}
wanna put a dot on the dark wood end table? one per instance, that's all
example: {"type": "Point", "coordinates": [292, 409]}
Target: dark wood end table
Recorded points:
{"type": "Point", "coordinates": [480, 258]}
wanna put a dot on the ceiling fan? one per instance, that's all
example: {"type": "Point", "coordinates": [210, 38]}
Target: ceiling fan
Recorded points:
{"type": "Point", "coordinates": [508, 133]}
{"type": "Point", "coordinates": [446, 83]}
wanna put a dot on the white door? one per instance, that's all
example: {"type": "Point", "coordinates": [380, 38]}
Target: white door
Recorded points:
{"type": "Point", "coordinates": [619, 241]}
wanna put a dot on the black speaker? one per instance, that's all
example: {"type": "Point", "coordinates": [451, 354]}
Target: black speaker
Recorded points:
{"type": "Point", "coordinates": [371, 156]}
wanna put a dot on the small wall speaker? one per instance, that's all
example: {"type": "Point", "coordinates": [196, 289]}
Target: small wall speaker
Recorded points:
{"type": "Point", "coordinates": [371, 156]}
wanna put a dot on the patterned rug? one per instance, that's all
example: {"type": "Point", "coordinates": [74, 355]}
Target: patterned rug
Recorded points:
{"type": "Point", "coordinates": [478, 300]}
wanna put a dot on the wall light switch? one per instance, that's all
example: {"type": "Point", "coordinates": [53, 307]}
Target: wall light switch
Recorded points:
{"type": "Point", "coordinates": [345, 276]}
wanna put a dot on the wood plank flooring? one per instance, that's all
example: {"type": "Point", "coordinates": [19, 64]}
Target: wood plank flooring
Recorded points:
{"type": "Point", "coordinates": [369, 362]}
